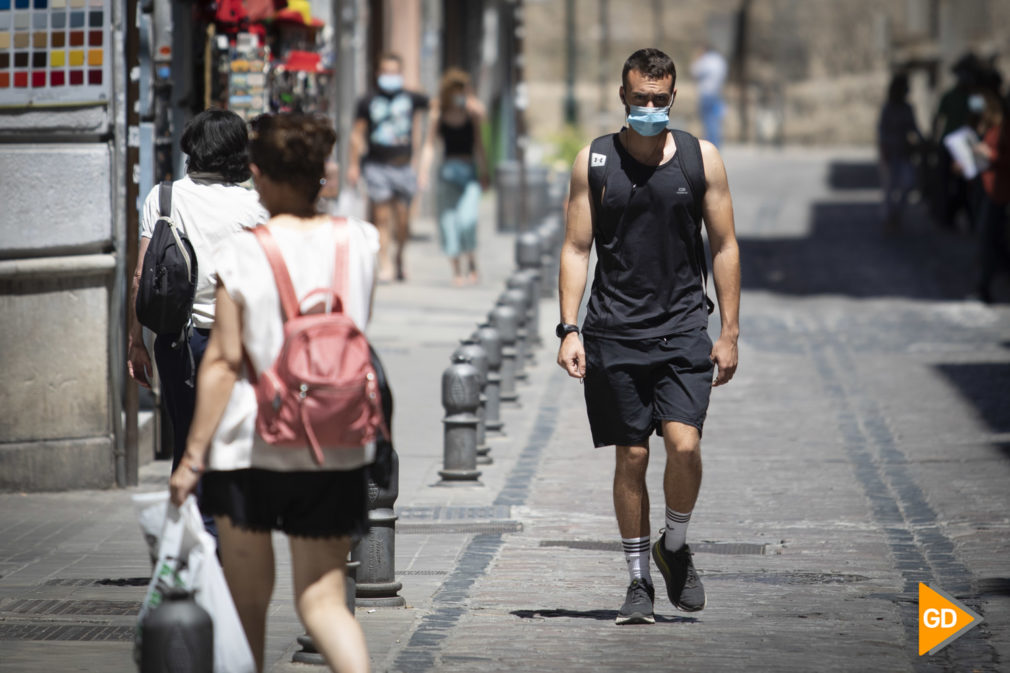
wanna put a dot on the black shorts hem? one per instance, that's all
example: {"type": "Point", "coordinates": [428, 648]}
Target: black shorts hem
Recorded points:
{"type": "Point", "coordinates": [699, 425]}
{"type": "Point", "coordinates": [313, 504]}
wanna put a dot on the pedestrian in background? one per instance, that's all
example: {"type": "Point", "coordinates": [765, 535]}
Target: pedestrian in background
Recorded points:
{"type": "Point", "coordinates": [898, 144]}
{"type": "Point", "coordinates": [709, 72]}
{"type": "Point", "coordinates": [252, 487]}
{"type": "Point", "coordinates": [456, 122]}
{"type": "Point", "coordinates": [991, 223]}
{"type": "Point", "coordinates": [208, 205]}
{"type": "Point", "coordinates": [385, 140]}
{"type": "Point", "coordinates": [648, 361]}
{"type": "Point", "coordinates": [952, 113]}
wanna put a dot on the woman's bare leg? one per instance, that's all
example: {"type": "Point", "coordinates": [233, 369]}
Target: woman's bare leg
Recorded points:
{"type": "Point", "coordinates": [319, 567]}
{"type": "Point", "coordinates": [247, 558]}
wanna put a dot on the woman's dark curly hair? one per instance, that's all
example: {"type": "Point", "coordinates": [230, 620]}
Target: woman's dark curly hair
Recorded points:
{"type": "Point", "coordinates": [217, 141]}
{"type": "Point", "coordinates": [292, 148]}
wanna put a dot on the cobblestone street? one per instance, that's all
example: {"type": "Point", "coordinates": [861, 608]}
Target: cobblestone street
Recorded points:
{"type": "Point", "coordinates": [863, 447]}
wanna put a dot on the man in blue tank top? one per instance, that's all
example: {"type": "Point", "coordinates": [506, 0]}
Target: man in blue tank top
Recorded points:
{"type": "Point", "coordinates": [647, 362]}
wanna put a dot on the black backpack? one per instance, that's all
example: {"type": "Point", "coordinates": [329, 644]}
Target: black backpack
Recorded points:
{"type": "Point", "coordinates": [168, 278]}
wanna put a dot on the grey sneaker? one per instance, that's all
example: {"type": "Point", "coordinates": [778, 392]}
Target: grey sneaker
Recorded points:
{"type": "Point", "coordinates": [637, 608]}
{"type": "Point", "coordinates": [682, 583]}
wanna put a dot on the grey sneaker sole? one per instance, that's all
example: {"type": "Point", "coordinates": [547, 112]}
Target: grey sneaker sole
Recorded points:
{"type": "Point", "coordinates": [636, 618]}
{"type": "Point", "coordinates": [664, 569]}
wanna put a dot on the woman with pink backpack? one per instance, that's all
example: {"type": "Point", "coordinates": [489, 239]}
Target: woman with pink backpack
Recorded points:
{"type": "Point", "coordinates": [289, 296]}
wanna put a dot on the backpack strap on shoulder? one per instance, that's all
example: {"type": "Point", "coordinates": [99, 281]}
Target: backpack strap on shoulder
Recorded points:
{"type": "Point", "coordinates": [340, 264]}
{"type": "Point", "coordinates": [286, 291]}
{"type": "Point", "coordinates": [691, 163]}
{"type": "Point", "coordinates": [693, 167]}
{"type": "Point", "coordinates": [165, 199]}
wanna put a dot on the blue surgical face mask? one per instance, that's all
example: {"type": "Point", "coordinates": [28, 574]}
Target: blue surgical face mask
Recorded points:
{"type": "Point", "coordinates": [390, 83]}
{"type": "Point", "coordinates": [648, 121]}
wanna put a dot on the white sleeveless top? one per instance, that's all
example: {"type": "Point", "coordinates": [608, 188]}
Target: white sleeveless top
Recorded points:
{"type": "Point", "coordinates": [243, 268]}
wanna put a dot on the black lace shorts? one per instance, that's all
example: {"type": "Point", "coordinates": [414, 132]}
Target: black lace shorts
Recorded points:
{"type": "Point", "coordinates": [328, 503]}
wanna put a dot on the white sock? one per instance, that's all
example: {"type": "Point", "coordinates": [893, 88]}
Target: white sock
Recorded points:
{"type": "Point", "coordinates": [676, 529]}
{"type": "Point", "coordinates": [636, 553]}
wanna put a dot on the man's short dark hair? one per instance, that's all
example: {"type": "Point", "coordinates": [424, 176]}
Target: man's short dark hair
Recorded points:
{"type": "Point", "coordinates": [652, 63]}
{"type": "Point", "coordinates": [217, 141]}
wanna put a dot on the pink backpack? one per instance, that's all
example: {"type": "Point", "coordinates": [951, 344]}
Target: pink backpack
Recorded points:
{"type": "Point", "coordinates": [321, 390]}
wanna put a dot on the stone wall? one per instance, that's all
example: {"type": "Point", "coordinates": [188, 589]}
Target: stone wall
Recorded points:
{"type": "Point", "coordinates": [60, 298]}
{"type": "Point", "coordinates": [817, 70]}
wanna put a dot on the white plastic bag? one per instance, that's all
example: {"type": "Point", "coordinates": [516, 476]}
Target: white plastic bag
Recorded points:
{"type": "Point", "coordinates": [150, 509]}
{"type": "Point", "coordinates": [187, 558]}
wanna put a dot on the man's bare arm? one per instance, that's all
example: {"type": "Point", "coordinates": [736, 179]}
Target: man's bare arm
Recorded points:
{"type": "Point", "coordinates": [717, 210]}
{"type": "Point", "coordinates": [575, 263]}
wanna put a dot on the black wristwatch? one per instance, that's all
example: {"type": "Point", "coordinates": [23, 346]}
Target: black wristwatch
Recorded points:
{"type": "Point", "coordinates": [564, 329]}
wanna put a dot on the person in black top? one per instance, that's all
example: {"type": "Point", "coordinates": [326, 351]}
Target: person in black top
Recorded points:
{"type": "Point", "coordinates": [647, 361]}
{"type": "Point", "coordinates": [898, 140]}
{"type": "Point", "coordinates": [456, 120]}
{"type": "Point", "coordinates": [388, 124]}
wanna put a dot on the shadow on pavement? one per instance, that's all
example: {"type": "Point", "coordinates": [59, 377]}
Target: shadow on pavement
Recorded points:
{"type": "Point", "coordinates": [993, 586]}
{"type": "Point", "coordinates": [985, 385]}
{"type": "Point", "coordinates": [848, 253]}
{"type": "Point", "coordinates": [853, 175]}
{"type": "Point", "coordinates": [600, 615]}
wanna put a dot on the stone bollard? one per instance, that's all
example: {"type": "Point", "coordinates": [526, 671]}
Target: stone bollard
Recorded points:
{"type": "Point", "coordinates": [490, 339]}
{"type": "Point", "coordinates": [460, 399]}
{"type": "Point", "coordinates": [516, 299]}
{"type": "Point", "coordinates": [376, 552]}
{"type": "Point", "coordinates": [309, 654]}
{"type": "Point", "coordinates": [506, 321]}
{"type": "Point", "coordinates": [471, 351]}
{"type": "Point", "coordinates": [528, 282]}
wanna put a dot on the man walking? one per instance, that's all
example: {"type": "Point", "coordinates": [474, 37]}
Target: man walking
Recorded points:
{"type": "Point", "coordinates": [647, 362]}
{"type": "Point", "coordinates": [709, 72]}
{"type": "Point", "coordinates": [389, 126]}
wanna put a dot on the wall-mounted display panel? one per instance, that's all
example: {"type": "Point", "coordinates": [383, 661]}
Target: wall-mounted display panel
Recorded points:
{"type": "Point", "coordinates": [54, 52]}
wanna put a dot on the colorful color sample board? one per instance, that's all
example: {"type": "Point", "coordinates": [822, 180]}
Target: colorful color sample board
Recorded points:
{"type": "Point", "coordinates": [54, 51]}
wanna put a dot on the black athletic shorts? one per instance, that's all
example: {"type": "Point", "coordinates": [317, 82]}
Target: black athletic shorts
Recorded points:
{"type": "Point", "coordinates": [632, 386]}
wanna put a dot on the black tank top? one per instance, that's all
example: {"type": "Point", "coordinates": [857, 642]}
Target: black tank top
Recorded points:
{"type": "Point", "coordinates": [458, 139]}
{"type": "Point", "coordinates": [649, 274]}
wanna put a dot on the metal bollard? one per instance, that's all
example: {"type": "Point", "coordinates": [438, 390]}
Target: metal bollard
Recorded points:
{"type": "Point", "coordinates": [471, 351]}
{"type": "Point", "coordinates": [460, 399]}
{"type": "Point", "coordinates": [529, 250]}
{"type": "Point", "coordinates": [552, 236]}
{"type": "Point", "coordinates": [506, 321]}
{"type": "Point", "coordinates": [309, 654]}
{"type": "Point", "coordinates": [516, 299]}
{"type": "Point", "coordinates": [490, 339]}
{"type": "Point", "coordinates": [528, 281]}
{"type": "Point", "coordinates": [376, 576]}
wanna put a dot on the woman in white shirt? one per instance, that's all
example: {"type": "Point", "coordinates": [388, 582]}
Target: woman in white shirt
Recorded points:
{"type": "Point", "coordinates": [249, 486]}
